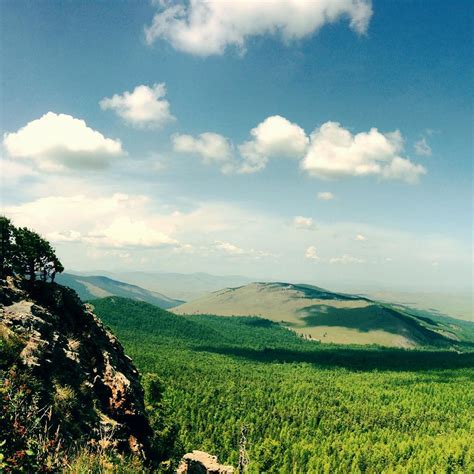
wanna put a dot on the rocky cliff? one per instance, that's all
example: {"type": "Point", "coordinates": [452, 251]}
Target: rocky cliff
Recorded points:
{"type": "Point", "coordinates": [57, 353]}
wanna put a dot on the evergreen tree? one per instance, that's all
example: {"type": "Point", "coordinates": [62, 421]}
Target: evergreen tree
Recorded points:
{"type": "Point", "coordinates": [26, 253]}
{"type": "Point", "coordinates": [165, 430]}
{"type": "Point", "coordinates": [29, 251]}
{"type": "Point", "coordinates": [6, 246]}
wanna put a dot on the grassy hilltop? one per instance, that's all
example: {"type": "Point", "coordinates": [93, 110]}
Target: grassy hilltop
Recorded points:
{"type": "Point", "coordinates": [333, 317]}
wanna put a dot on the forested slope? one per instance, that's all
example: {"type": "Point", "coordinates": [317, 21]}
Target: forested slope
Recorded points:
{"type": "Point", "coordinates": [308, 407]}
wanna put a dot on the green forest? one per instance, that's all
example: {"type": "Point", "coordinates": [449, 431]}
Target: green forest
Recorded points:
{"type": "Point", "coordinates": [305, 406]}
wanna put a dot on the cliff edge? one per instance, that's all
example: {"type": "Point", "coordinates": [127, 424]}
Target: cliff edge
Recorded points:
{"type": "Point", "coordinates": [70, 370]}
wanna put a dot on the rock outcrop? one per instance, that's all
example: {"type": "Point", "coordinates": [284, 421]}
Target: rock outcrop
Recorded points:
{"type": "Point", "coordinates": [79, 367]}
{"type": "Point", "coordinates": [199, 462]}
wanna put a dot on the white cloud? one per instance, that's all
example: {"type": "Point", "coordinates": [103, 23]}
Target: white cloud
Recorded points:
{"type": "Point", "coordinates": [229, 248]}
{"type": "Point", "coordinates": [55, 142]}
{"type": "Point", "coordinates": [422, 147]}
{"type": "Point", "coordinates": [330, 152]}
{"type": "Point", "coordinates": [311, 253]}
{"type": "Point", "coordinates": [12, 171]}
{"type": "Point", "coordinates": [211, 147]}
{"type": "Point", "coordinates": [93, 220]}
{"type": "Point", "coordinates": [325, 196]}
{"type": "Point", "coordinates": [360, 237]}
{"type": "Point", "coordinates": [144, 107]}
{"type": "Point", "coordinates": [65, 236]}
{"type": "Point", "coordinates": [301, 222]}
{"type": "Point", "coordinates": [335, 152]}
{"type": "Point", "coordinates": [205, 28]}
{"type": "Point", "coordinates": [404, 170]}
{"type": "Point", "coordinates": [346, 259]}
{"type": "Point", "coordinates": [129, 232]}
{"type": "Point", "coordinates": [81, 226]}
{"type": "Point", "coordinates": [273, 138]}
{"type": "Point", "coordinates": [233, 250]}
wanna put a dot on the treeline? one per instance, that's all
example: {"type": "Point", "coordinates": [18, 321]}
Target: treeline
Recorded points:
{"type": "Point", "coordinates": [25, 253]}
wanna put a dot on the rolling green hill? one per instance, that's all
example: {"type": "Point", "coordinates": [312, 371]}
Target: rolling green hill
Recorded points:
{"type": "Point", "coordinates": [92, 287]}
{"type": "Point", "coordinates": [332, 317]}
{"type": "Point", "coordinates": [306, 406]}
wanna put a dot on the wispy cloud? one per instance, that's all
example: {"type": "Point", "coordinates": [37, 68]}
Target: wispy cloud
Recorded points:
{"type": "Point", "coordinates": [422, 147]}
{"type": "Point", "coordinates": [326, 196]}
{"type": "Point", "coordinates": [301, 222]}
{"type": "Point", "coordinates": [346, 260]}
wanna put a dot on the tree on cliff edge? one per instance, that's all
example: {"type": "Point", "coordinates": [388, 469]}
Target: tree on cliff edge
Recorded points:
{"type": "Point", "coordinates": [26, 253]}
{"type": "Point", "coordinates": [5, 246]}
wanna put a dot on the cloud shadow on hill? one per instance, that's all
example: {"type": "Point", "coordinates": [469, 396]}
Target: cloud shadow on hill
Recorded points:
{"type": "Point", "coordinates": [354, 358]}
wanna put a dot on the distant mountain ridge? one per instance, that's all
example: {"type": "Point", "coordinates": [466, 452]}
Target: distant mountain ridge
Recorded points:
{"type": "Point", "coordinates": [333, 317]}
{"type": "Point", "coordinates": [180, 286]}
{"type": "Point", "coordinates": [97, 286]}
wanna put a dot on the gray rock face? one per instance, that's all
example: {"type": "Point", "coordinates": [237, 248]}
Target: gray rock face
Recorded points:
{"type": "Point", "coordinates": [199, 462]}
{"type": "Point", "coordinates": [68, 351]}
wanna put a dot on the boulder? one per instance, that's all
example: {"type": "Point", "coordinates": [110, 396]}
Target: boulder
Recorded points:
{"type": "Point", "coordinates": [199, 462]}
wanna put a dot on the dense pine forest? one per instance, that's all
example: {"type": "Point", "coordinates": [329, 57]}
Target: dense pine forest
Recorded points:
{"type": "Point", "coordinates": [305, 407]}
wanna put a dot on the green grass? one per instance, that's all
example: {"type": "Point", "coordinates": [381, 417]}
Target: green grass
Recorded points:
{"type": "Point", "coordinates": [333, 317]}
{"type": "Point", "coordinates": [308, 407]}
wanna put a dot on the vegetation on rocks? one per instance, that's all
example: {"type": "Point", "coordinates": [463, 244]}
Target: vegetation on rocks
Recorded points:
{"type": "Point", "coordinates": [68, 393]}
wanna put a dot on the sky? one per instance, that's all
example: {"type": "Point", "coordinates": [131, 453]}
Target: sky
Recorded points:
{"type": "Point", "coordinates": [325, 141]}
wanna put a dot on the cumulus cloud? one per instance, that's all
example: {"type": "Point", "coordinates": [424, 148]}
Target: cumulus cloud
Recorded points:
{"type": "Point", "coordinates": [205, 28]}
{"type": "Point", "coordinates": [403, 170]}
{"type": "Point", "coordinates": [330, 152]}
{"type": "Point", "coordinates": [422, 147]}
{"type": "Point", "coordinates": [12, 170]}
{"type": "Point", "coordinates": [301, 222]}
{"type": "Point", "coordinates": [311, 253]}
{"type": "Point", "coordinates": [275, 137]}
{"type": "Point", "coordinates": [211, 147]}
{"type": "Point", "coordinates": [144, 107]}
{"type": "Point", "coordinates": [325, 196]}
{"type": "Point", "coordinates": [335, 152]}
{"type": "Point", "coordinates": [56, 142]}
{"type": "Point", "coordinates": [346, 260]}
{"type": "Point", "coordinates": [93, 220]}
{"type": "Point", "coordinates": [129, 232]}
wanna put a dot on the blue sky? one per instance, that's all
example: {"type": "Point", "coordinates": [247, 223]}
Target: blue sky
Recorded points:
{"type": "Point", "coordinates": [391, 66]}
